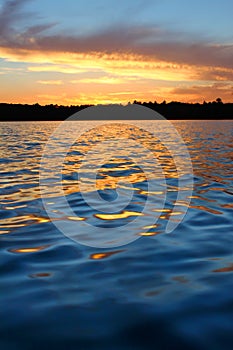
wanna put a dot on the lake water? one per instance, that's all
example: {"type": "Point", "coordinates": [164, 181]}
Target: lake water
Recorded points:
{"type": "Point", "coordinates": [162, 291]}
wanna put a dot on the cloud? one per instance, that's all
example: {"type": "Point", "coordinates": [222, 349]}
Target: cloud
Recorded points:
{"type": "Point", "coordinates": [66, 69]}
{"type": "Point", "coordinates": [104, 80]}
{"type": "Point", "coordinates": [13, 13]}
{"type": "Point", "coordinates": [37, 29]}
{"type": "Point", "coordinates": [122, 66]}
{"type": "Point", "coordinates": [150, 43]}
{"type": "Point", "coordinates": [11, 70]}
{"type": "Point", "coordinates": [213, 73]}
{"type": "Point", "coordinates": [201, 92]}
{"type": "Point", "coordinates": [10, 13]}
{"type": "Point", "coordinates": [112, 64]}
{"type": "Point", "coordinates": [50, 82]}
{"type": "Point", "coordinates": [123, 93]}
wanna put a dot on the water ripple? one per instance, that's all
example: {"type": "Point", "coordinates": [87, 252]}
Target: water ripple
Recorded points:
{"type": "Point", "coordinates": [163, 289]}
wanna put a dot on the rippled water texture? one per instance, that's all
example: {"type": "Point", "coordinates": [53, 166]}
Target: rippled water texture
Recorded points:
{"type": "Point", "coordinates": [163, 291]}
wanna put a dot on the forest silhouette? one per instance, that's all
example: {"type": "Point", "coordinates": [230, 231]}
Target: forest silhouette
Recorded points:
{"type": "Point", "coordinates": [172, 110]}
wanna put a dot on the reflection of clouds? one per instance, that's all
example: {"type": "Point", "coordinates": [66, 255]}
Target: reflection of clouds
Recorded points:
{"type": "Point", "coordinates": [225, 269]}
{"type": "Point", "coordinates": [24, 148]}
{"type": "Point", "coordinates": [97, 256]}
{"type": "Point", "coordinates": [28, 249]}
{"type": "Point", "coordinates": [120, 168]}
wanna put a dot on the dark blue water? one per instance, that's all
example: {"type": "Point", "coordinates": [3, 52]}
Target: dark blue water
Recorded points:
{"type": "Point", "coordinates": [163, 291]}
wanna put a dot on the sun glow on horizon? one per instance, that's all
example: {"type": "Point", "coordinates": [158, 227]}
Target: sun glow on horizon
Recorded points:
{"type": "Point", "coordinates": [74, 78]}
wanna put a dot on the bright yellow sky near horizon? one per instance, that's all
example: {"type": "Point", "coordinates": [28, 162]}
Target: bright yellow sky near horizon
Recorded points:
{"type": "Point", "coordinates": [64, 78]}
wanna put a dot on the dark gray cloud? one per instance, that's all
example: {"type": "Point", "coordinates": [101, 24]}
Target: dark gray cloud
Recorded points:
{"type": "Point", "coordinates": [37, 29]}
{"type": "Point", "coordinates": [11, 12]}
{"type": "Point", "coordinates": [152, 42]}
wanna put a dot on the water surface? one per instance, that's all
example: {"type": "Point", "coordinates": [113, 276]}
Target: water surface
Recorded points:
{"type": "Point", "coordinates": [170, 291]}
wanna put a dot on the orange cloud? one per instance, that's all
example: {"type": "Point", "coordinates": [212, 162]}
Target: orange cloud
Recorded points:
{"type": "Point", "coordinates": [151, 64]}
{"type": "Point", "coordinates": [127, 66]}
{"type": "Point", "coordinates": [204, 92]}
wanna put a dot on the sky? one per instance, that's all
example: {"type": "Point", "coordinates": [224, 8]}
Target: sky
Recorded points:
{"type": "Point", "coordinates": [87, 52]}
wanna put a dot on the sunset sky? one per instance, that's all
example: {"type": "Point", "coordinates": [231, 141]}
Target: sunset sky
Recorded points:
{"type": "Point", "coordinates": [88, 51]}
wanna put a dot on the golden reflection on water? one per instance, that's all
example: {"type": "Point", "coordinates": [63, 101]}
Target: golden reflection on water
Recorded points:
{"type": "Point", "coordinates": [120, 168]}
{"type": "Point", "coordinates": [21, 221]}
{"type": "Point", "coordinates": [150, 192]}
{"type": "Point", "coordinates": [4, 232]}
{"type": "Point", "coordinates": [107, 178]}
{"type": "Point", "coordinates": [204, 208]}
{"type": "Point", "coordinates": [24, 155]}
{"type": "Point", "coordinates": [202, 198]}
{"type": "Point", "coordinates": [150, 230]}
{"type": "Point", "coordinates": [162, 210]}
{"type": "Point", "coordinates": [28, 250]}
{"type": "Point", "coordinates": [123, 215]}
{"type": "Point", "coordinates": [228, 205]}
{"type": "Point", "coordinates": [168, 214]}
{"type": "Point", "coordinates": [174, 213]}
{"type": "Point", "coordinates": [98, 256]}
{"type": "Point", "coordinates": [15, 207]}
{"type": "Point", "coordinates": [75, 218]}
{"type": "Point", "coordinates": [149, 233]}
{"type": "Point", "coordinates": [151, 226]}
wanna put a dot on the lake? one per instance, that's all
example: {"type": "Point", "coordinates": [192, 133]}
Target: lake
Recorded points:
{"type": "Point", "coordinates": [164, 290]}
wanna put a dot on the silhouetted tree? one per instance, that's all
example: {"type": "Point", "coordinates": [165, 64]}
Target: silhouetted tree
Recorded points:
{"type": "Point", "coordinates": [172, 110]}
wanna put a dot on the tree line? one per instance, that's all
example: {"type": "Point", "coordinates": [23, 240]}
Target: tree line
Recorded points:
{"type": "Point", "coordinates": [172, 110]}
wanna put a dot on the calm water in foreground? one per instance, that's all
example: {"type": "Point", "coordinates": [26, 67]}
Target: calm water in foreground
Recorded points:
{"type": "Point", "coordinates": [163, 291]}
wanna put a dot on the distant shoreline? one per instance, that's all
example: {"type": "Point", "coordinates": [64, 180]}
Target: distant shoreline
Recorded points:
{"type": "Point", "coordinates": [172, 111]}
